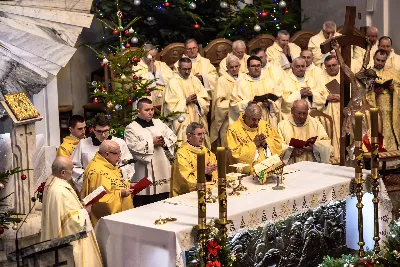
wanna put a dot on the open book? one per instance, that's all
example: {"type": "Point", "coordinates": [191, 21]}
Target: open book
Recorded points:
{"type": "Point", "coordinates": [384, 85]}
{"type": "Point", "coordinates": [139, 186]}
{"type": "Point", "coordinates": [297, 143]}
{"type": "Point", "coordinates": [266, 97]}
{"type": "Point", "coordinates": [94, 197]}
{"type": "Point", "coordinates": [267, 167]}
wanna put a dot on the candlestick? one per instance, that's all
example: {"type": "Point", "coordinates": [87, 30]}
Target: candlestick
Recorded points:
{"type": "Point", "coordinates": [201, 189]}
{"type": "Point", "coordinates": [374, 122]}
{"type": "Point", "coordinates": [358, 126]}
{"type": "Point", "coordinates": [359, 163]}
{"type": "Point", "coordinates": [221, 156]}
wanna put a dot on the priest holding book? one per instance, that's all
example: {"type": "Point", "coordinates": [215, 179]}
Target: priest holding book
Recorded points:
{"type": "Point", "coordinates": [103, 170]}
{"type": "Point", "coordinates": [251, 140]}
{"type": "Point", "coordinates": [151, 143]}
{"type": "Point", "coordinates": [304, 137]}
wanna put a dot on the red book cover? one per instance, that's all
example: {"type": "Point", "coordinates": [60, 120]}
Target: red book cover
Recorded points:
{"type": "Point", "coordinates": [139, 186]}
{"type": "Point", "coordinates": [297, 143]}
{"type": "Point", "coordinates": [95, 196]}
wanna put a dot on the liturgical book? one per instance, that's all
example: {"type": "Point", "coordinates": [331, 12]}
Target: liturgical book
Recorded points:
{"type": "Point", "coordinates": [266, 97]}
{"type": "Point", "coordinates": [297, 143]}
{"type": "Point", "coordinates": [267, 167]}
{"type": "Point", "coordinates": [333, 87]}
{"type": "Point", "coordinates": [384, 85]}
{"type": "Point", "coordinates": [139, 186]}
{"type": "Point", "coordinates": [94, 197]}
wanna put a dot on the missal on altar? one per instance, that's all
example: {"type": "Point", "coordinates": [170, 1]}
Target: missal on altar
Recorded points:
{"type": "Point", "coordinates": [267, 167]}
{"type": "Point", "coordinates": [266, 97]}
{"type": "Point", "coordinates": [94, 197]}
{"type": "Point", "coordinates": [139, 186]}
{"type": "Point", "coordinates": [297, 143]}
{"type": "Point", "coordinates": [333, 87]}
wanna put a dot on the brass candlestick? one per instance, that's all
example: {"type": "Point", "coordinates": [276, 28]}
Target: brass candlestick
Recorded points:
{"type": "Point", "coordinates": [239, 169]}
{"type": "Point", "coordinates": [279, 179]}
{"type": "Point", "coordinates": [375, 174]}
{"type": "Point", "coordinates": [202, 206]}
{"type": "Point", "coordinates": [222, 198]}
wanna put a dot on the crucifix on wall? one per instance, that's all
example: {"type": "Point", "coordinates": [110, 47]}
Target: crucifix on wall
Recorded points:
{"type": "Point", "coordinates": [345, 42]}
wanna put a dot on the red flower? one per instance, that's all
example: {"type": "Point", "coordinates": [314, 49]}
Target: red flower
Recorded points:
{"type": "Point", "coordinates": [213, 247]}
{"type": "Point", "coordinates": [213, 264]}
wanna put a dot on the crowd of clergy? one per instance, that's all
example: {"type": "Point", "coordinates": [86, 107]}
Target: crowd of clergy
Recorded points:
{"type": "Point", "coordinates": [258, 103]}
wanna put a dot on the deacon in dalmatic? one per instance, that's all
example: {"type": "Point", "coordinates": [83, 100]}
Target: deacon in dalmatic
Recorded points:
{"type": "Point", "coordinates": [386, 98]}
{"type": "Point", "coordinates": [151, 143]}
{"type": "Point", "coordinates": [151, 69]}
{"type": "Point", "coordinates": [87, 148]}
{"type": "Point", "coordinates": [239, 50]}
{"type": "Point", "coordinates": [186, 94]}
{"type": "Point", "coordinates": [250, 139]}
{"type": "Point", "coordinates": [254, 84]}
{"type": "Point", "coordinates": [302, 126]}
{"type": "Point", "coordinates": [103, 170]}
{"type": "Point", "coordinates": [63, 215]}
{"type": "Point", "coordinates": [268, 70]}
{"type": "Point", "coordinates": [297, 85]}
{"type": "Point", "coordinates": [77, 127]}
{"type": "Point", "coordinates": [184, 169]}
{"type": "Point", "coordinates": [201, 66]}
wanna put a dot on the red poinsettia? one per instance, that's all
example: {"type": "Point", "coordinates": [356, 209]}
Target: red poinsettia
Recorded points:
{"type": "Point", "coordinates": [213, 264]}
{"type": "Point", "coordinates": [213, 247]}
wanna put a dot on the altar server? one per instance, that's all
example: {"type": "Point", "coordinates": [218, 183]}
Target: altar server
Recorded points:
{"type": "Point", "coordinates": [77, 127]}
{"type": "Point", "coordinates": [151, 143]}
{"type": "Point", "coordinates": [250, 139]}
{"type": "Point", "coordinates": [63, 215]}
{"type": "Point", "coordinates": [103, 170]}
{"type": "Point", "coordinates": [184, 169]}
{"type": "Point", "coordinates": [88, 147]}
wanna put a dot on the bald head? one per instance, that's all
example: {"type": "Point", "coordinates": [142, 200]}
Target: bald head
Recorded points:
{"type": "Point", "coordinates": [372, 34]}
{"type": "Point", "coordinates": [62, 168]}
{"type": "Point", "coordinates": [300, 111]}
{"type": "Point", "coordinates": [108, 145]}
{"type": "Point", "coordinates": [239, 48]}
{"type": "Point", "coordinates": [252, 115]}
{"type": "Point", "coordinates": [111, 151]}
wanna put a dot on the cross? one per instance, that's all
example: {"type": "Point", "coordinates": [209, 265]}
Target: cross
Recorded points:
{"type": "Point", "coordinates": [345, 41]}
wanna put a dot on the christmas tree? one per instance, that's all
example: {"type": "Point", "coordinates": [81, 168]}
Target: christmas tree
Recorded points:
{"type": "Point", "coordinates": [168, 21]}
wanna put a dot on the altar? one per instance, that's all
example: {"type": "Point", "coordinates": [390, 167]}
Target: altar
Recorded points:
{"type": "Point", "coordinates": [131, 238]}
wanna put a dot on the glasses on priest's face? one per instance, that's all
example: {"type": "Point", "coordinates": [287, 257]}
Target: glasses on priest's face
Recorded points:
{"type": "Point", "coordinates": [114, 153]}
{"type": "Point", "coordinates": [106, 131]}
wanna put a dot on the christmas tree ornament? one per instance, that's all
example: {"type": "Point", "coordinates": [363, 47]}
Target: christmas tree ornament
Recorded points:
{"type": "Point", "coordinates": [115, 31]}
{"type": "Point", "coordinates": [120, 28]}
{"type": "Point", "coordinates": [122, 48]}
{"type": "Point", "coordinates": [118, 107]}
{"type": "Point", "coordinates": [130, 101]}
{"type": "Point", "coordinates": [223, 4]}
{"type": "Point", "coordinates": [181, 119]}
{"type": "Point", "coordinates": [23, 177]}
{"type": "Point", "coordinates": [150, 19]}
{"type": "Point", "coordinates": [103, 89]}
{"type": "Point", "coordinates": [131, 30]}
{"type": "Point", "coordinates": [166, 4]}
{"type": "Point", "coordinates": [1, 230]}
{"type": "Point", "coordinates": [257, 28]}
{"type": "Point", "coordinates": [196, 26]}
{"type": "Point", "coordinates": [192, 5]}
{"type": "Point", "coordinates": [134, 87]}
{"type": "Point", "coordinates": [134, 40]}
{"type": "Point", "coordinates": [95, 101]}
{"type": "Point", "coordinates": [105, 92]}
{"type": "Point", "coordinates": [123, 77]}
{"type": "Point", "coordinates": [137, 2]}
{"type": "Point", "coordinates": [136, 59]}
{"type": "Point", "coordinates": [121, 133]}
{"type": "Point", "coordinates": [264, 14]}
{"type": "Point", "coordinates": [135, 77]}
{"type": "Point", "coordinates": [286, 11]}
{"type": "Point", "coordinates": [95, 90]}
{"type": "Point", "coordinates": [148, 91]}
{"type": "Point", "coordinates": [105, 60]}
{"type": "Point", "coordinates": [1, 186]}
{"type": "Point", "coordinates": [109, 104]}
{"type": "Point", "coordinates": [94, 83]}
{"type": "Point", "coordinates": [126, 32]}
{"type": "Point", "coordinates": [33, 199]}
{"type": "Point", "coordinates": [282, 4]}
{"type": "Point", "coordinates": [15, 227]}
{"type": "Point", "coordinates": [128, 45]}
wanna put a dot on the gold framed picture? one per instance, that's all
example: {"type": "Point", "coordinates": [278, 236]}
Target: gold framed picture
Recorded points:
{"type": "Point", "coordinates": [21, 106]}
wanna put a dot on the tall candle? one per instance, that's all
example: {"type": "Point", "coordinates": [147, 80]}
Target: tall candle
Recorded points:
{"type": "Point", "coordinates": [201, 167]}
{"type": "Point", "coordinates": [374, 122]}
{"type": "Point", "coordinates": [222, 202]}
{"type": "Point", "coordinates": [221, 162]}
{"type": "Point", "coordinates": [358, 126]}
{"type": "Point", "coordinates": [201, 189]}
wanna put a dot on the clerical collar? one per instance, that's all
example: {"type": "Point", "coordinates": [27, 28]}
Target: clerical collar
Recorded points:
{"type": "Point", "coordinates": [197, 147]}
{"type": "Point", "coordinates": [255, 78]}
{"type": "Point", "coordinates": [180, 75]}
{"type": "Point", "coordinates": [194, 60]}
{"type": "Point", "coordinates": [235, 77]}
{"type": "Point", "coordinates": [300, 79]}
{"type": "Point", "coordinates": [144, 123]}
{"type": "Point", "coordinates": [96, 141]}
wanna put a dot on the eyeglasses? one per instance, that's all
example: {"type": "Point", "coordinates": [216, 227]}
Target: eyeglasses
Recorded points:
{"type": "Point", "coordinates": [199, 134]}
{"type": "Point", "coordinates": [115, 153]}
{"type": "Point", "coordinates": [102, 132]}
{"type": "Point", "coordinates": [255, 66]}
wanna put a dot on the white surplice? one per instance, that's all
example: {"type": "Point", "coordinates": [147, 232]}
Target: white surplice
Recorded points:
{"type": "Point", "coordinates": [151, 161]}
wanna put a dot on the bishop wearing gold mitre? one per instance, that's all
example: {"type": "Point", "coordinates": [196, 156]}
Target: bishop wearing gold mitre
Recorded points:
{"type": "Point", "coordinates": [151, 69]}
{"type": "Point", "coordinates": [301, 126]}
{"type": "Point", "coordinates": [102, 170]}
{"type": "Point", "coordinates": [386, 97]}
{"type": "Point", "coordinates": [77, 127]}
{"type": "Point", "coordinates": [64, 215]}
{"type": "Point", "coordinates": [250, 139]}
{"type": "Point", "coordinates": [184, 168]}
{"type": "Point", "coordinates": [186, 94]}
{"type": "Point", "coordinates": [254, 85]}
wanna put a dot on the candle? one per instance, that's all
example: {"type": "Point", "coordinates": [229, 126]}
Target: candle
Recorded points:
{"type": "Point", "coordinates": [374, 122]}
{"type": "Point", "coordinates": [222, 184]}
{"type": "Point", "coordinates": [201, 189]}
{"type": "Point", "coordinates": [201, 167]}
{"type": "Point", "coordinates": [358, 126]}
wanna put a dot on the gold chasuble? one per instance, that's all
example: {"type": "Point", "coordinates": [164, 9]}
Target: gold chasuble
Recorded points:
{"type": "Point", "coordinates": [240, 141]}
{"type": "Point", "coordinates": [175, 96]}
{"type": "Point", "coordinates": [243, 64]}
{"type": "Point", "coordinates": [333, 110]}
{"type": "Point", "coordinates": [63, 215]}
{"type": "Point", "coordinates": [388, 103]}
{"type": "Point", "coordinates": [246, 89]}
{"type": "Point", "coordinates": [314, 45]}
{"type": "Point", "coordinates": [100, 172]}
{"type": "Point", "coordinates": [311, 128]}
{"type": "Point", "coordinates": [291, 87]}
{"type": "Point", "coordinates": [221, 108]}
{"type": "Point", "coordinates": [67, 147]}
{"type": "Point", "coordinates": [162, 74]}
{"type": "Point", "coordinates": [184, 168]}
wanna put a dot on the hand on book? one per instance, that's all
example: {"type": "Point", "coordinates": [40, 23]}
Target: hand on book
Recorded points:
{"type": "Point", "coordinates": [126, 192]}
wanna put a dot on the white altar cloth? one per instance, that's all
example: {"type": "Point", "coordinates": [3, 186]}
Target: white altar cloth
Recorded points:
{"type": "Point", "coordinates": [131, 238]}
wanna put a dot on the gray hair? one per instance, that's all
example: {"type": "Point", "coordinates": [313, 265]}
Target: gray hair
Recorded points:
{"type": "Point", "coordinates": [232, 58]}
{"type": "Point", "coordinates": [252, 108]}
{"type": "Point", "coordinates": [237, 43]}
{"type": "Point", "coordinates": [59, 164]}
{"type": "Point", "coordinates": [296, 59]}
{"type": "Point", "coordinates": [299, 102]}
{"type": "Point", "coordinates": [149, 47]}
{"type": "Point", "coordinates": [329, 24]}
{"type": "Point", "coordinates": [193, 126]}
{"type": "Point", "coordinates": [306, 50]}
{"type": "Point", "coordinates": [282, 32]}
{"type": "Point", "coordinates": [188, 41]}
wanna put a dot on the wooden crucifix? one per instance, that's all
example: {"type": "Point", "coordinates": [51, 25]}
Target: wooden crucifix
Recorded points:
{"type": "Point", "coordinates": [345, 41]}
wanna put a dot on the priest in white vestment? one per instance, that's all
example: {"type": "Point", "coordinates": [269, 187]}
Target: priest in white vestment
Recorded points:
{"type": "Point", "coordinates": [372, 34]}
{"type": "Point", "coordinates": [311, 70]}
{"type": "Point", "coordinates": [64, 215]}
{"type": "Point", "coordinates": [252, 85]}
{"type": "Point", "coordinates": [187, 95]}
{"type": "Point", "coordinates": [301, 126]}
{"type": "Point", "coordinates": [282, 52]}
{"type": "Point", "coordinates": [151, 143]}
{"type": "Point", "coordinates": [297, 85]}
{"type": "Point", "coordinates": [87, 148]}
{"type": "Point", "coordinates": [393, 60]}
{"type": "Point", "coordinates": [239, 50]}
{"type": "Point", "coordinates": [275, 73]}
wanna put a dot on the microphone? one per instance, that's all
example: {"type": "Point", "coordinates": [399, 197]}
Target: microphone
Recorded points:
{"type": "Point", "coordinates": [168, 154]}
{"type": "Point", "coordinates": [127, 162]}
